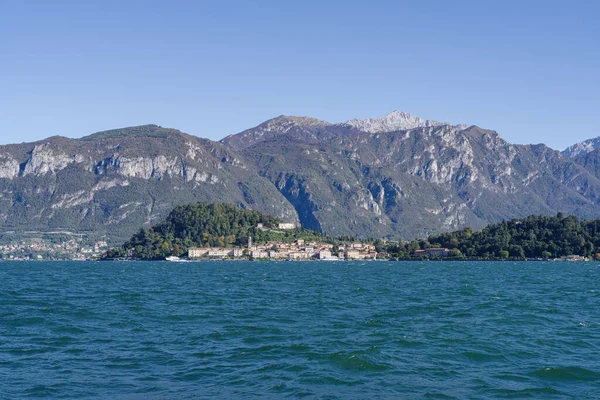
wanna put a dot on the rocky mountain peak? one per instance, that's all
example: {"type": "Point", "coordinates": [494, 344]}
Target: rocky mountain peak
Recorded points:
{"type": "Point", "coordinates": [304, 128]}
{"type": "Point", "coordinates": [581, 148]}
{"type": "Point", "coordinates": [285, 123]}
{"type": "Point", "coordinates": [394, 121]}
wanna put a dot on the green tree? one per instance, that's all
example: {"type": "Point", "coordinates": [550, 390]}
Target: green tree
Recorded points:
{"type": "Point", "coordinates": [546, 254]}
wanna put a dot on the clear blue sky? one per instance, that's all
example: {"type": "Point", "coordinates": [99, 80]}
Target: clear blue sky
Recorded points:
{"type": "Point", "coordinates": [528, 69]}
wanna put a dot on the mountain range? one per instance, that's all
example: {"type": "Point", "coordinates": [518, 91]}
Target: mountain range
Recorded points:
{"type": "Point", "coordinates": [398, 176]}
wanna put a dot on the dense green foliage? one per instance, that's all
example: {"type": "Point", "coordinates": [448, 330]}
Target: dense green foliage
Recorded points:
{"type": "Point", "coordinates": [531, 237]}
{"type": "Point", "coordinates": [205, 224]}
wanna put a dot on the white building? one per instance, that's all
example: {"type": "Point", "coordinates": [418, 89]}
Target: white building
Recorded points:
{"type": "Point", "coordinates": [323, 254]}
{"type": "Point", "coordinates": [237, 252]}
{"type": "Point", "coordinates": [260, 254]}
{"type": "Point", "coordinates": [215, 252]}
{"type": "Point", "coordinates": [197, 252]}
{"type": "Point", "coordinates": [287, 225]}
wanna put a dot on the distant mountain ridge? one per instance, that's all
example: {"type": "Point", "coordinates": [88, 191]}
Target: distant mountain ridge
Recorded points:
{"type": "Point", "coordinates": [394, 121]}
{"type": "Point", "coordinates": [582, 148]}
{"type": "Point", "coordinates": [113, 182]}
{"type": "Point", "coordinates": [311, 130]}
{"type": "Point", "coordinates": [393, 176]}
{"type": "Point", "coordinates": [298, 128]}
{"type": "Point", "coordinates": [427, 178]}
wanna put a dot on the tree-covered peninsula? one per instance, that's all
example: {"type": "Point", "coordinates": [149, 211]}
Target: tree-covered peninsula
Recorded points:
{"type": "Point", "coordinates": [205, 224]}
{"type": "Point", "coordinates": [531, 237]}
{"type": "Point", "coordinates": [223, 225]}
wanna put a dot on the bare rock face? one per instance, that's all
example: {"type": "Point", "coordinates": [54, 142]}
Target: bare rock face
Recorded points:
{"type": "Point", "coordinates": [9, 167]}
{"type": "Point", "coordinates": [394, 121]}
{"type": "Point", "coordinates": [582, 148]}
{"type": "Point", "coordinates": [44, 158]}
{"type": "Point", "coordinates": [146, 167]}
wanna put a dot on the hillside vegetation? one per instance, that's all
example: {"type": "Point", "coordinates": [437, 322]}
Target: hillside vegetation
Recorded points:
{"type": "Point", "coordinates": [205, 224]}
{"type": "Point", "coordinates": [531, 237]}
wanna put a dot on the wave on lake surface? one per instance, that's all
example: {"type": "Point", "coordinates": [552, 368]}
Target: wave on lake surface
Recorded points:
{"type": "Point", "coordinates": [327, 330]}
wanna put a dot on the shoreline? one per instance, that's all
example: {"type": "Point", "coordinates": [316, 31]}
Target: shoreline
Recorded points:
{"type": "Point", "coordinates": [343, 260]}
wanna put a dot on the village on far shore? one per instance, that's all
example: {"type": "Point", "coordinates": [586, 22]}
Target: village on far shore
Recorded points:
{"type": "Point", "coordinates": [222, 231]}
{"type": "Point", "coordinates": [300, 249]}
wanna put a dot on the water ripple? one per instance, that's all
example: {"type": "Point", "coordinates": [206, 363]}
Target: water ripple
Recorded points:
{"type": "Point", "coordinates": [325, 330]}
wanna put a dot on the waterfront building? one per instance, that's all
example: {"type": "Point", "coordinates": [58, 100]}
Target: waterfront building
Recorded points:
{"type": "Point", "coordinates": [323, 254]}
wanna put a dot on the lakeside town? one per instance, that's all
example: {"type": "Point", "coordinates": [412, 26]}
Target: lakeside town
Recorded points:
{"type": "Point", "coordinates": [303, 250]}
{"type": "Point", "coordinates": [298, 250]}
{"type": "Point", "coordinates": [75, 249]}
{"type": "Point", "coordinates": [311, 250]}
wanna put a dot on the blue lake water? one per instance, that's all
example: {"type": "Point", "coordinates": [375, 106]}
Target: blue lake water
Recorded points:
{"type": "Point", "coordinates": [332, 330]}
